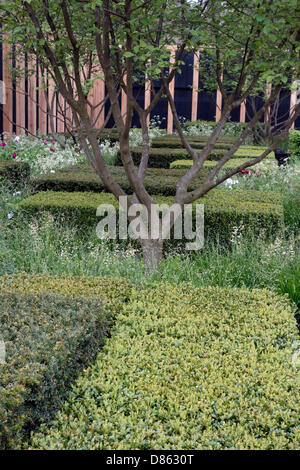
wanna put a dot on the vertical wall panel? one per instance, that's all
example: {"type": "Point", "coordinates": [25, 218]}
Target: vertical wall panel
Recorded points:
{"type": "Point", "coordinates": [8, 104]}
{"type": "Point", "coordinates": [60, 113]}
{"type": "Point", "coordinates": [31, 97]}
{"type": "Point", "coordinates": [20, 101]}
{"type": "Point", "coordinates": [184, 87]}
{"type": "Point", "coordinates": [42, 104]}
{"type": "Point", "coordinates": [243, 112]}
{"type": "Point", "coordinates": [195, 88]}
{"type": "Point", "coordinates": [98, 97]}
{"type": "Point", "coordinates": [51, 102]}
{"type": "Point", "coordinates": [147, 98]}
{"type": "Point", "coordinates": [30, 111]}
{"type": "Point", "coordinates": [172, 92]}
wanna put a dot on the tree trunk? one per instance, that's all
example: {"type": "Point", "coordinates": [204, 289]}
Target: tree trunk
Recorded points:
{"type": "Point", "coordinates": [153, 251]}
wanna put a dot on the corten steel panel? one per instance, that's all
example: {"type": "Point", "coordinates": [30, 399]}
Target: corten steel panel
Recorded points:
{"type": "Point", "coordinates": [20, 101]}
{"type": "Point", "coordinates": [1, 78]}
{"type": "Point", "coordinates": [32, 96]}
{"type": "Point", "coordinates": [42, 124]}
{"type": "Point", "coordinates": [97, 97]}
{"type": "Point", "coordinates": [51, 103]}
{"type": "Point", "coordinates": [7, 107]}
{"type": "Point", "coordinates": [195, 87]}
{"type": "Point", "coordinates": [60, 113]}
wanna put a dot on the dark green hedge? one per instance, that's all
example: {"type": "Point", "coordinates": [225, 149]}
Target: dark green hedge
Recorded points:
{"type": "Point", "coordinates": [294, 142]}
{"type": "Point", "coordinates": [15, 172]}
{"type": "Point", "coordinates": [50, 336]}
{"type": "Point", "coordinates": [192, 369]}
{"type": "Point", "coordinates": [84, 178]}
{"type": "Point", "coordinates": [171, 142]}
{"type": "Point", "coordinates": [224, 209]}
{"type": "Point", "coordinates": [163, 157]}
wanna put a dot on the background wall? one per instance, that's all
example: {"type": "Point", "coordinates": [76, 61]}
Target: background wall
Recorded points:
{"type": "Point", "coordinates": [25, 108]}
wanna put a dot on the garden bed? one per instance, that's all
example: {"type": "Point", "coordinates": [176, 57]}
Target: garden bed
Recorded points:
{"type": "Point", "coordinates": [223, 210]}
{"type": "Point", "coordinates": [188, 368]}
{"type": "Point", "coordinates": [84, 178]}
{"type": "Point", "coordinates": [52, 328]}
{"type": "Point", "coordinates": [163, 157]}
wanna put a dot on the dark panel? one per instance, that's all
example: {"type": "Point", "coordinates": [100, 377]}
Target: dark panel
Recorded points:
{"type": "Point", "coordinates": [235, 114]}
{"type": "Point", "coordinates": [259, 101]}
{"type": "Point", "coordinates": [206, 110]}
{"type": "Point", "coordinates": [111, 121]}
{"type": "Point", "coordinates": [160, 111]}
{"type": "Point", "coordinates": [183, 87]}
{"type": "Point", "coordinates": [283, 108]}
{"type": "Point", "coordinates": [207, 99]}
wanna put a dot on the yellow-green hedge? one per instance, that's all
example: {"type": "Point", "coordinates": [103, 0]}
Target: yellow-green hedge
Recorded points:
{"type": "Point", "coordinates": [188, 368]}
{"type": "Point", "coordinates": [223, 209]}
{"type": "Point", "coordinates": [163, 157]}
{"type": "Point", "coordinates": [175, 143]}
{"type": "Point", "coordinates": [52, 328]}
{"type": "Point", "coordinates": [230, 165]}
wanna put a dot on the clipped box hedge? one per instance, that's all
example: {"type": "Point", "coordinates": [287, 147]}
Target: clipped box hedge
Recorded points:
{"type": "Point", "coordinates": [84, 178]}
{"type": "Point", "coordinates": [224, 209]}
{"type": "Point", "coordinates": [52, 328]}
{"type": "Point", "coordinates": [163, 157]}
{"type": "Point", "coordinates": [169, 142]}
{"type": "Point", "coordinates": [198, 138]}
{"type": "Point", "coordinates": [188, 368]}
{"type": "Point", "coordinates": [15, 172]}
{"type": "Point", "coordinates": [230, 165]}
{"type": "Point", "coordinates": [294, 142]}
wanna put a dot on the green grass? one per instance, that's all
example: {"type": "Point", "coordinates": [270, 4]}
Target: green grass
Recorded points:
{"type": "Point", "coordinates": [46, 247]}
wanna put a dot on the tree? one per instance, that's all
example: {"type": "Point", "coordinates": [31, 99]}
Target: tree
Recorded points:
{"type": "Point", "coordinates": [125, 40]}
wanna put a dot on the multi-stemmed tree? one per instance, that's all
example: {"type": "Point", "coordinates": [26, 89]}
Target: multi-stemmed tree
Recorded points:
{"type": "Point", "coordinates": [125, 40]}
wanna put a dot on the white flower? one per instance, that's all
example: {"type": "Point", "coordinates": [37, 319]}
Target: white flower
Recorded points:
{"type": "Point", "coordinates": [10, 215]}
{"type": "Point", "coordinates": [17, 139]}
{"type": "Point", "coordinates": [17, 193]}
